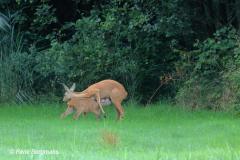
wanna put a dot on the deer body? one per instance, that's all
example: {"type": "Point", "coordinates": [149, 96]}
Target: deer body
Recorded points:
{"type": "Point", "coordinates": [83, 105]}
{"type": "Point", "coordinates": [106, 89]}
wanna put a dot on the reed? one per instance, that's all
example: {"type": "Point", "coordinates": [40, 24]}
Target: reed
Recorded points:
{"type": "Point", "coordinates": [15, 74]}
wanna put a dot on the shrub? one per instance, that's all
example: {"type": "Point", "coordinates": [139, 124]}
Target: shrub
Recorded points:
{"type": "Point", "coordinates": [84, 59]}
{"type": "Point", "coordinates": [213, 78]}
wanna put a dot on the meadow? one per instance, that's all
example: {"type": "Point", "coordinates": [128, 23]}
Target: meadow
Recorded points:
{"type": "Point", "coordinates": [158, 132]}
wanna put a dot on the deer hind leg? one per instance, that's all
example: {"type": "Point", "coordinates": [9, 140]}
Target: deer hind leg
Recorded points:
{"type": "Point", "coordinates": [117, 99]}
{"type": "Point", "coordinates": [68, 111]}
{"type": "Point", "coordinates": [119, 108]}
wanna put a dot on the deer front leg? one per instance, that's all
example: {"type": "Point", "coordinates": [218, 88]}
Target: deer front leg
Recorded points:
{"type": "Point", "coordinates": [77, 114]}
{"type": "Point", "coordinates": [68, 111]}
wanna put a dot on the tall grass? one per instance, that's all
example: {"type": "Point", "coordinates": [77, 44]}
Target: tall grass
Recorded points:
{"type": "Point", "coordinates": [15, 78]}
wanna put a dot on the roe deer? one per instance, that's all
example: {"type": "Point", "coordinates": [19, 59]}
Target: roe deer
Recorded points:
{"type": "Point", "coordinates": [103, 89]}
{"type": "Point", "coordinates": [82, 105]}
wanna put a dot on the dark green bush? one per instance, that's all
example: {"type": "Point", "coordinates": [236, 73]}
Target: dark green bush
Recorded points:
{"type": "Point", "coordinates": [212, 79]}
{"type": "Point", "coordinates": [122, 42]}
{"type": "Point", "coordinates": [85, 59]}
{"type": "Point", "coordinates": [139, 43]}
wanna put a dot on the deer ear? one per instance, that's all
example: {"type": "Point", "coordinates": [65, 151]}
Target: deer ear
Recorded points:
{"type": "Point", "coordinates": [65, 87]}
{"type": "Point", "coordinates": [73, 87]}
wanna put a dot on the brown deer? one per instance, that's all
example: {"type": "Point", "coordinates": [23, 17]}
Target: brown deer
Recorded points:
{"type": "Point", "coordinates": [103, 89]}
{"type": "Point", "coordinates": [84, 105]}
{"type": "Point", "coordinates": [81, 104]}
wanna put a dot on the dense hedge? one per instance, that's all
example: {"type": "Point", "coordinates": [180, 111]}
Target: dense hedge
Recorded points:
{"type": "Point", "coordinates": [187, 47]}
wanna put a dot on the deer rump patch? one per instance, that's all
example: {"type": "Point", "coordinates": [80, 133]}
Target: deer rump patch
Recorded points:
{"type": "Point", "coordinates": [104, 101]}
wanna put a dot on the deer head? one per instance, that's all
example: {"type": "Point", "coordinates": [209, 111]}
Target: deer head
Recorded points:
{"type": "Point", "coordinates": [68, 92]}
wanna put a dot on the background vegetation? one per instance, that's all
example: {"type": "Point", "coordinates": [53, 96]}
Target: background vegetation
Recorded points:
{"type": "Point", "coordinates": [189, 48]}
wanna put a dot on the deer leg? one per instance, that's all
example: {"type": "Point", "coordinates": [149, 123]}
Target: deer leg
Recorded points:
{"type": "Point", "coordinates": [119, 108]}
{"type": "Point", "coordinates": [97, 113]}
{"type": "Point", "coordinates": [68, 111]}
{"type": "Point", "coordinates": [99, 101]}
{"type": "Point", "coordinates": [77, 114]}
{"type": "Point", "coordinates": [117, 99]}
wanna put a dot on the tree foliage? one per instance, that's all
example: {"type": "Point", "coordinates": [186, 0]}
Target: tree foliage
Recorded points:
{"type": "Point", "coordinates": [138, 43]}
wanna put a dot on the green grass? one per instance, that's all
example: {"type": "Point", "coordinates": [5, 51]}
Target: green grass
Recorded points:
{"type": "Point", "coordinates": [158, 132]}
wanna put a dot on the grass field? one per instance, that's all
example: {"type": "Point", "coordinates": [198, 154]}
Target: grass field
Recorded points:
{"type": "Point", "coordinates": [154, 133]}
